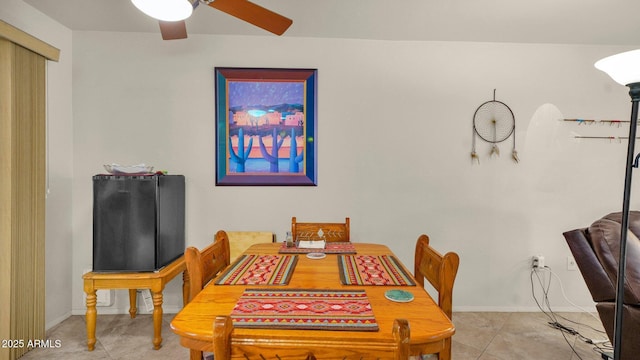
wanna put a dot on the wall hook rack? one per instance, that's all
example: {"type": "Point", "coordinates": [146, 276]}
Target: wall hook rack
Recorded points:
{"type": "Point", "coordinates": [617, 123]}
{"type": "Point", "coordinates": [610, 138]}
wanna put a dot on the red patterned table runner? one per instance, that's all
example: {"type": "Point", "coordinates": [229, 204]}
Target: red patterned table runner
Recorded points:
{"type": "Point", "coordinates": [372, 270]}
{"type": "Point", "coordinates": [304, 309]}
{"type": "Point", "coordinates": [330, 248]}
{"type": "Point", "coordinates": [259, 270]}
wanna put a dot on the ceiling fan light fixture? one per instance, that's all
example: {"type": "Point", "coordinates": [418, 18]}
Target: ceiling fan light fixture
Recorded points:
{"type": "Point", "coordinates": [165, 10]}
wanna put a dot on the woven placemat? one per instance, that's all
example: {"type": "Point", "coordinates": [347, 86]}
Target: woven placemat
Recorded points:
{"type": "Point", "coordinates": [259, 270]}
{"type": "Point", "coordinates": [330, 248]}
{"type": "Point", "coordinates": [304, 309]}
{"type": "Point", "coordinates": [372, 270]}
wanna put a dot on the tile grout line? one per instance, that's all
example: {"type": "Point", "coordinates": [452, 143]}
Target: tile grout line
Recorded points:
{"type": "Point", "coordinates": [494, 336]}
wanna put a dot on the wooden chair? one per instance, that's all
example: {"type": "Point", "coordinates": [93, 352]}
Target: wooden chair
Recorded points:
{"type": "Point", "coordinates": [441, 272]}
{"type": "Point", "coordinates": [239, 241]}
{"type": "Point", "coordinates": [331, 232]}
{"type": "Point", "coordinates": [225, 346]}
{"type": "Point", "coordinates": [203, 266]}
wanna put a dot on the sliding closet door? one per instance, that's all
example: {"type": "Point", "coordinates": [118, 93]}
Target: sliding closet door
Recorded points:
{"type": "Point", "coordinates": [22, 197]}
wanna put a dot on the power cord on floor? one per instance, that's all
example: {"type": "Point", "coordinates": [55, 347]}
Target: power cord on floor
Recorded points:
{"type": "Point", "coordinates": [602, 347]}
{"type": "Point", "coordinates": [550, 314]}
{"type": "Point", "coordinates": [568, 330]}
{"type": "Point", "coordinates": [572, 303]}
{"type": "Point", "coordinates": [599, 346]}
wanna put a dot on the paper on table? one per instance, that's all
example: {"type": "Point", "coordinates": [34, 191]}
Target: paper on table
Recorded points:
{"type": "Point", "coordinates": [309, 244]}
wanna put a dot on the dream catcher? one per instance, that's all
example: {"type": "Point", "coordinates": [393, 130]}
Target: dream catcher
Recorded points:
{"type": "Point", "coordinates": [494, 123]}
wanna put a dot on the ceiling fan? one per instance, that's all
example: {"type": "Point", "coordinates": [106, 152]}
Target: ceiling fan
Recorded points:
{"type": "Point", "coordinates": [172, 23]}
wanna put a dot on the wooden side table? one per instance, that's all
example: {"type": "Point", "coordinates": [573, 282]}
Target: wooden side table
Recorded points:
{"type": "Point", "coordinates": [155, 281]}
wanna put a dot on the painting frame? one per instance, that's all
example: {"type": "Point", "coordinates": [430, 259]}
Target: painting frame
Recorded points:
{"type": "Point", "coordinates": [261, 105]}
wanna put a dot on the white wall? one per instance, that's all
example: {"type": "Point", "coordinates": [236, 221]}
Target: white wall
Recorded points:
{"type": "Point", "coordinates": [394, 138]}
{"type": "Point", "coordinates": [394, 141]}
{"type": "Point", "coordinates": [59, 257]}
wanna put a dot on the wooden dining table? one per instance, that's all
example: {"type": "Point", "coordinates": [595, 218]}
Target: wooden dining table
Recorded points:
{"type": "Point", "coordinates": [429, 326]}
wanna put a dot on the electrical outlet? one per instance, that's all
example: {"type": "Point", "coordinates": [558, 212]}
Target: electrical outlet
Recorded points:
{"type": "Point", "coordinates": [571, 263]}
{"type": "Point", "coordinates": [537, 261]}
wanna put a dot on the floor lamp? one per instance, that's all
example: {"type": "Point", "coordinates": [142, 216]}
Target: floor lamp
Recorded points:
{"type": "Point", "coordinates": [624, 68]}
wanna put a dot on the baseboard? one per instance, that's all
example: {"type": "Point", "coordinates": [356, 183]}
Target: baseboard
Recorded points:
{"type": "Point", "coordinates": [176, 309]}
{"type": "Point", "coordinates": [520, 309]}
{"type": "Point", "coordinates": [57, 321]}
{"type": "Point", "coordinates": [116, 311]}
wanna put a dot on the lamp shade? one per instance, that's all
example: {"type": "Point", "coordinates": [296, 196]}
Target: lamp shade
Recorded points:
{"type": "Point", "coordinates": [624, 68]}
{"type": "Point", "coordinates": [165, 10]}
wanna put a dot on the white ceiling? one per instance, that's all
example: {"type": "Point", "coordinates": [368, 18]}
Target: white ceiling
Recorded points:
{"type": "Point", "coordinates": [615, 22]}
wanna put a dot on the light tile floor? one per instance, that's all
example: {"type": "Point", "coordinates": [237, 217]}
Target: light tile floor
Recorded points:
{"type": "Point", "coordinates": [479, 336]}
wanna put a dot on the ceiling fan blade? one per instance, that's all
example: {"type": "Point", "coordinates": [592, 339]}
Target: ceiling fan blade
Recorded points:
{"type": "Point", "coordinates": [254, 14]}
{"type": "Point", "coordinates": [173, 30]}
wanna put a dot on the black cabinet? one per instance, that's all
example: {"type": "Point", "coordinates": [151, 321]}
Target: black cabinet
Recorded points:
{"type": "Point", "coordinates": [138, 221]}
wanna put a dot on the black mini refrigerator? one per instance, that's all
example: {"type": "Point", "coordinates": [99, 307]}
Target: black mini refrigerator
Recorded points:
{"type": "Point", "coordinates": [138, 221]}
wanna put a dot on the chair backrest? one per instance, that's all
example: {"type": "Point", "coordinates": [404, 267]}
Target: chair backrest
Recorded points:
{"type": "Point", "coordinates": [439, 270]}
{"type": "Point", "coordinates": [331, 232]}
{"type": "Point", "coordinates": [239, 241]}
{"type": "Point", "coordinates": [224, 345]}
{"type": "Point", "coordinates": [204, 265]}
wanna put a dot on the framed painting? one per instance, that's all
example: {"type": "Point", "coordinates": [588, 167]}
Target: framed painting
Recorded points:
{"type": "Point", "coordinates": [266, 126]}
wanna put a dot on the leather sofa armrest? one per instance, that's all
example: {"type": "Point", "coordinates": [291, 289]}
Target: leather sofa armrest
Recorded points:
{"type": "Point", "coordinates": [604, 235]}
{"type": "Point", "coordinates": [598, 283]}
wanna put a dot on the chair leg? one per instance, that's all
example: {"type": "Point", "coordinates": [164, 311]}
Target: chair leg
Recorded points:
{"type": "Point", "coordinates": [445, 354]}
{"type": "Point", "coordinates": [195, 355]}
